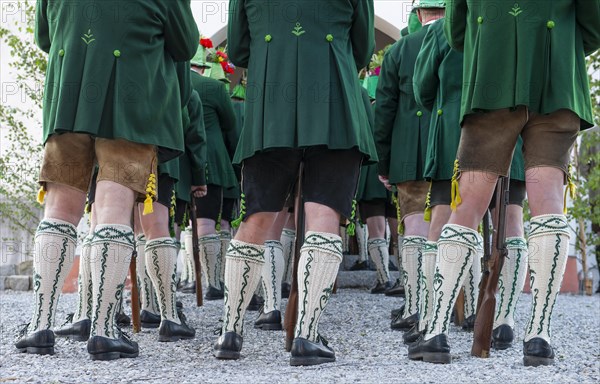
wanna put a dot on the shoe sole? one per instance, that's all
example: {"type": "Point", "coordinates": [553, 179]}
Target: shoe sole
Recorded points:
{"type": "Point", "coordinates": [38, 350]}
{"type": "Point", "coordinates": [536, 361]}
{"type": "Point", "coordinates": [500, 346]}
{"type": "Point", "coordinates": [113, 356]}
{"type": "Point", "coordinates": [74, 337]}
{"type": "Point", "coordinates": [302, 361]}
{"type": "Point", "coordinates": [150, 325]}
{"type": "Point", "coordinates": [169, 339]}
{"type": "Point", "coordinates": [227, 355]}
{"type": "Point", "coordinates": [437, 358]}
{"type": "Point", "coordinates": [269, 327]}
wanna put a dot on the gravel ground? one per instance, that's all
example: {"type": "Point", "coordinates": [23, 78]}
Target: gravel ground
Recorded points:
{"type": "Point", "coordinates": [356, 324]}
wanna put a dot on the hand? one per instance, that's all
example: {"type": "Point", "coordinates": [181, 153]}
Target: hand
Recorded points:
{"type": "Point", "coordinates": [199, 190]}
{"type": "Point", "coordinates": [386, 182]}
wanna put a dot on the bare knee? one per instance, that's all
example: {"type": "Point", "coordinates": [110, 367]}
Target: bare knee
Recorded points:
{"type": "Point", "coordinates": [64, 203]}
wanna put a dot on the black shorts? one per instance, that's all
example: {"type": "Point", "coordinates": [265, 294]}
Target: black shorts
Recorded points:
{"type": "Point", "coordinates": [228, 212]}
{"type": "Point", "coordinates": [376, 207]}
{"type": "Point", "coordinates": [181, 207]}
{"type": "Point", "coordinates": [441, 193]}
{"type": "Point", "coordinates": [165, 190]}
{"type": "Point", "coordinates": [330, 178]}
{"type": "Point", "coordinates": [209, 206]}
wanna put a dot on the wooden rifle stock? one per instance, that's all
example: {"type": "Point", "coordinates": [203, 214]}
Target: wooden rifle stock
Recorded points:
{"type": "Point", "coordinates": [291, 311]}
{"type": "Point", "coordinates": [487, 256]}
{"type": "Point", "coordinates": [135, 293]}
{"type": "Point", "coordinates": [482, 337]}
{"type": "Point", "coordinates": [196, 251]}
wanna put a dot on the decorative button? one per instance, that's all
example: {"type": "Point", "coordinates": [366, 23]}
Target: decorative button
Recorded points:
{"type": "Point", "coordinates": [117, 53]}
{"type": "Point", "coordinates": [419, 113]}
{"type": "Point", "coordinates": [480, 20]}
{"type": "Point", "coordinates": [268, 38]}
{"type": "Point", "coordinates": [439, 112]}
{"type": "Point", "coordinates": [61, 53]}
{"type": "Point", "coordinates": [550, 24]}
{"type": "Point", "coordinates": [329, 38]}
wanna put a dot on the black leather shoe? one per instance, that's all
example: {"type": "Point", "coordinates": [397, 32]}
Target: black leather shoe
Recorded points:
{"type": "Point", "coordinates": [213, 293]}
{"type": "Point", "coordinates": [123, 320]}
{"type": "Point", "coordinates": [255, 303]}
{"type": "Point", "coordinates": [79, 331]}
{"type": "Point", "coordinates": [149, 319]}
{"type": "Point", "coordinates": [189, 288]}
{"type": "Point", "coordinates": [360, 266]}
{"type": "Point", "coordinates": [469, 324]}
{"type": "Point", "coordinates": [404, 324]}
{"type": "Point", "coordinates": [105, 348]}
{"type": "Point", "coordinates": [396, 312]}
{"type": "Point", "coordinates": [381, 287]}
{"type": "Point", "coordinates": [286, 288]}
{"type": "Point", "coordinates": [179, 305]}
{"type": "Point", "coordinates": [502, 337]}
{"type": "Point", "coordinates": [228, 346]}
{"type": "Point", "coordinates": [435, 350]}
{"type": "Point", "coordinates": [306, 352]}
{"type": "Point", "coordinates": [536, 352]}
{"type": "Point", "coordinates": [39, 343]}
{"type": "Point", "coordinates": [412, 334]}
{"type": "Point", "coordinates": [270, 321]}
{"type": "Point", "coordinates": [170, 331]}
{"type": "Point", "coordinates": [396, 290]}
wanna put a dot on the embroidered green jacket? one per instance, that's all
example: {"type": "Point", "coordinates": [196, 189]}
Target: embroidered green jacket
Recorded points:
{"type": "Point", "coordinates": [369, 186]}
{"type": "Point", "coordinates": [525, 53]}
{"type": "Point", "coordinates": [239, 107]}
{"type": "Point", "coordinates": [302, 87]}
{"type": "Point", "coordinates": [401, 126]}
{"type": "Point", "coordinates": [111, 68]}
{"type": "Point", "coordinates": [438, 87]}
{"type": "Point", "coordinates": [219, 122]}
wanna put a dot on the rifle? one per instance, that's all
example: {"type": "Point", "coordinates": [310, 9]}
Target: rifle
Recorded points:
{"type": "Point", "coordinates": [487, 256]}
{"type": "Point", "coordinates": [482, 338]}
{"type": "Point", "coordinates": [135, 298]}
{"type": "Point", "coordinates": [196, 251]}
{"type": "Point", "coordinates": [291, 311]}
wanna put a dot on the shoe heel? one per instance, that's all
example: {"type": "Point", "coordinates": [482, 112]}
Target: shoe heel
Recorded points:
{"type": "Point", "coordinates": [227, 355]}
{"type": "Point", "coordinates": [168, 339]}
{"type": "Point", "coordinates": [437, 358]}
{"type": "Point", "coordinates": [535, 361]}
{"type": "Point", "coordinates": [150, 325]}
{"type": "Point", "coordinates": [501, 346]}
{"type": "Point", "coordinates": [39, 351]}
{"type": "Point", "coordinates": [106, 356]}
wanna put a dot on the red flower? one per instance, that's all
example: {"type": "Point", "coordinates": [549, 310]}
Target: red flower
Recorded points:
{"type": "Point", "coordinates": [206, 43]}
{"type": "Point", "coordinates": [222, 54]}
{"type": "Point", "coordinates": [227, 67]}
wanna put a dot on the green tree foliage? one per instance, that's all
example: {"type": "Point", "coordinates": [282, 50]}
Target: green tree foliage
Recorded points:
{"type": "Point", "coordinates": [21, 151]}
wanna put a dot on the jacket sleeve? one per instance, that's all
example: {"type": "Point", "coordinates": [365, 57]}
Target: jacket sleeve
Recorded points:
{"type": "Point", "coordinates": [425, 79]}
{"type": "Point", "coordinates": [362, 33]}
{"type": "Point", "coordinates": [42, 30]}
{"type": "Point", "coordinates": [181, 31]}
{"type": "Point", "coordinates": [195, 140]}
{"type": "Point", "coordinates": [238, 34]}
{"type": "Point", "coordinates": [588, 20]}
{"type": "Point", "coordinates": [386, 107]}
{"type": "Point", "coordinates": [455, 23]}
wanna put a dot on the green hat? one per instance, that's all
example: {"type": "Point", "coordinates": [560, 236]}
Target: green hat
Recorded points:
{"type": "Point", "coordinates": [199, 59]}
{"type": "Point", "coordinates": [217, 73]}
{"type": "Point", "coordinates": [430, 4]}
{"type": "Point", "coordinates": [239, 92]}
{"type": "Point", "coordinates": [413, 22]}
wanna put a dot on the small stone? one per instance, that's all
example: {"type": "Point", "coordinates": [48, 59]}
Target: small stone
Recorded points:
{"type": "Point", "coordinates": [8, 270]}
{"type": "Point", "coordinates": [18, 282]}
{"type": "Point", "coordinates": [24, 268]}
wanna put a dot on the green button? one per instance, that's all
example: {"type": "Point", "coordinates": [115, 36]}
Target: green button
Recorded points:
{"type": "Point", "coordinates": [61, 53]}
{"type": "Point", "coordinates": [419, 113]}
{"type": "Point", "coordinates": [440, 112]}
{"type": "Point", "coordinates": [329, 38]}
{"type": "Point", "coordinates": [268, 38]}
{"type": "Point", "coordinates": [480, 20]}
{"type": "Point", "coordinates": [117, 53]}
{"type": "Point", "coordinates": [550, 24]}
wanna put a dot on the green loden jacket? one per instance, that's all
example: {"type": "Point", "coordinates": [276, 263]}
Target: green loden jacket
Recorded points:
{"type": "Point", "coordinates": [401, 126]}
{"type": "Point", "coordinates": [302, 86]}
{"type": "Point", "coordinates": [528, 53]}
{"type": "Point", "coordinates": [219, 122]}
{"type": "Point", "coordinates": [111, 69]}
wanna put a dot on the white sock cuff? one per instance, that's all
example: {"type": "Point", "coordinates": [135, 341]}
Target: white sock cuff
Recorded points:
{"type": "Point", "coordinates": [376, 242]}
{"type": "Point", "coordinates": [214, 237]}
{"type": "Point", "coordinates": [160, 242]}
{"type": "Point", "coordinates": [116, 233]}
{"type": "Point", "coordinates": [288, 232]}
{"type": "Point", "coordinates": [274, 244]}
{"type": "Point", "coordinates": [430, 247]}
{"type": "Point", "coordinates": [413, 240]}
{"type": "Point", "coordinates": [57, 227]}
{"type": "Point", "coordinates": [141, 238]}
{"type": "Point", "coordinates": [254, 253]}
{"type": "Point", "coordinates": [516, 243]}
{"type": "Point", "coordinates": [323, 242]}
{"type": "Point", "coordinates": [549, 224]}
{"type": "Point", "coordinates": [457, 234]}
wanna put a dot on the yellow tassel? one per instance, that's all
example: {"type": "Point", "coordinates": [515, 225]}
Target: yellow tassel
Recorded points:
{"type": "Point", "coordinates": [148, 206]}
{"type": "Point", "coordinates": [427, 214]}
{"type": "Point", "coordinates": [571, 189]}
{"type": "Point", "coordinates": [455, 194]}
{"type": "Point", "coordinates": [400, 228]}
{"type": "Point", "coordinates": [41, 195]}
